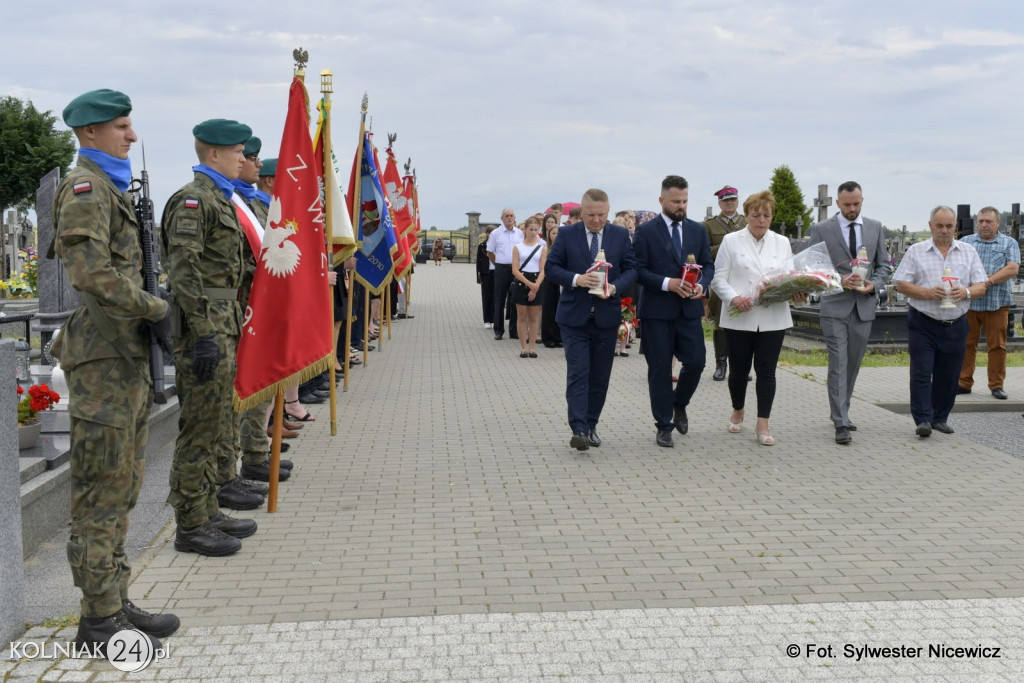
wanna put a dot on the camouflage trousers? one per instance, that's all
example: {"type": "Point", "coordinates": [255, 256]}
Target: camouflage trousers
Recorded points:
{"type": "Point", "coordinates": [207, 446]}
{"type": "Point", "coordinates": [109, 410]}
{"type": "Point", "coordinates": [253, 434]}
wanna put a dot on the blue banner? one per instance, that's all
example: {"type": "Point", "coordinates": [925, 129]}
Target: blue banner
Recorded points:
{"type": "Point", "coordinates": [375, 231]}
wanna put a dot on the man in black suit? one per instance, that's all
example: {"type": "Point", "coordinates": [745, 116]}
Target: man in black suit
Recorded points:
{"type": "Point", "coordinates": [670, 308]}
{"type": "Point", "coordinates": [589, 322]}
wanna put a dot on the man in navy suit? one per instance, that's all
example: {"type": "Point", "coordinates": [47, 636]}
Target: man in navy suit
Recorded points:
{"type": "Point", "coordinates": [670, 308]}
{"type": "Point", "coordinates": [589, 322]}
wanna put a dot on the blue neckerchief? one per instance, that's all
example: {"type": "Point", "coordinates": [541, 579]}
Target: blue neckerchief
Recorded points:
{"type": "Point", "coordinates": [245, 189]}
{"type": "Point", "coordinates": [263, 197]}
{"type": "Point", "coordinates": [118, 170]}
{"type": "Point", "coordinates": [219, 179]}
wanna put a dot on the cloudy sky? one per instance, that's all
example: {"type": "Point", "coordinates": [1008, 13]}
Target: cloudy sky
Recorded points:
{"type": "Point", "coordinates": [524, 103]}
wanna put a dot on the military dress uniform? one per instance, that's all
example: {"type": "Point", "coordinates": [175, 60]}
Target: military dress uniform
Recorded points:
{"type": "Point", "coordinates": [205, 260]}
{"type": "Point", "coordinates": [717, 228]}
{"type": "Point", "coordinates": [104, 351]}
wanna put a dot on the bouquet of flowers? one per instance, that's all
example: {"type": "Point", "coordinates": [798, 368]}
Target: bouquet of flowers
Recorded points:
{"type": "Point", "coordinates": [811, 272]}
{"type": "Point", "coordinates": [39, 398]}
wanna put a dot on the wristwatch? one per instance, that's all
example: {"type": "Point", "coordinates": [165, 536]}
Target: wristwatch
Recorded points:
{"type": "Point", "coordinates": [968, 290]}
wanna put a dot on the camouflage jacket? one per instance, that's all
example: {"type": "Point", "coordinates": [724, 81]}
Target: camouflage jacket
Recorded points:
{"type": "Point", "coordinates": [204, 254]}
{"type": "Point", "coordinates": [259, 210]}
{"type": "Point", "coordinates": [97, 239]}
{"type": "Point", "coordinates": [718, 227]}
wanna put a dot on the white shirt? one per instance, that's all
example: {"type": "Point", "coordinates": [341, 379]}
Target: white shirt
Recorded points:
{"type": "Point", "coordinates": [923, 265]}
{"type": "Point", "coordinates": [500, 244]}
{"type": "Point", "coordinates": [844, 227]}
{"type": "Point", "coordinates": [668, 226]}
{"type": "Point", "coordinates": [600, 243]}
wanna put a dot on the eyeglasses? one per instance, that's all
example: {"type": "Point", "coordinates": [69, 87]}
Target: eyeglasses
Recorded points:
{"type": "Point", "coordinates": [253, 158]}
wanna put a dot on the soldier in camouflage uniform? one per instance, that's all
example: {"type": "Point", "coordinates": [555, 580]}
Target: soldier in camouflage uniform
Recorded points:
{"type": "Point", "coordinates": [205, 259]}
{"type": "Point", "coordinates": [103, 350]}
{"type": "Point", "coordinates": [728, 220]}
{"type": "Point", "coordinates": [251, 425]}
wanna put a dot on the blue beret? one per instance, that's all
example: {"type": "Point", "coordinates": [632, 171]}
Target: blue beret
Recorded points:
{"type": "Point", "coordinates": [96, 106]}
{"type": "Point", "coordinates": [222, 132]}
{"type": "Point", "coordinates": [269, 168]}
{"type": "Point", "coordinates": [252, 146]}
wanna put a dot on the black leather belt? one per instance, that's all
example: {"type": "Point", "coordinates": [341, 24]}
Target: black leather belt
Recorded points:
{"type": "Point", "coordinates": [944, 323]}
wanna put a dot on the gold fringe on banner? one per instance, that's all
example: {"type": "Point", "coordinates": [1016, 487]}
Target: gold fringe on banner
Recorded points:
{"type": "Point", "coordinates": [265, 394]}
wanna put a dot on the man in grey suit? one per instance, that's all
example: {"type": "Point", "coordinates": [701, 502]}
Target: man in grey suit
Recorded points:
{"type": "Point", "coordinates": [846, 317]}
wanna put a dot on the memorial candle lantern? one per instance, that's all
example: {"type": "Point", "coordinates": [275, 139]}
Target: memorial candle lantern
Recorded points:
{"type": "Point", "coordinates": [691, 271]}
{"type": "Point", "coordinates": [949, 283]}
{"type": "Point", "coordinates": [860, 267]}
{"type": "Point", "coordinates": [600, 268]}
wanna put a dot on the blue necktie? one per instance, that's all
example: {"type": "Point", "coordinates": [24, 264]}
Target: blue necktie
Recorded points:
{"type": "Point", "coordinates": [593, 246]}
{"type": "Point", "coordinates": [677, 240]}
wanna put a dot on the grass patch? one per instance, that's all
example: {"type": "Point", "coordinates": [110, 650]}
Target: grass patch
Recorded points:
{"type": "Point", "coordinates": [873, 359]}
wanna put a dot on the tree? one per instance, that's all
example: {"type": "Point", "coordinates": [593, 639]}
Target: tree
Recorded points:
{"type": "Point", "coordinates": [29, 148]}
{"type": "Point", "coordinates": [789, 202]}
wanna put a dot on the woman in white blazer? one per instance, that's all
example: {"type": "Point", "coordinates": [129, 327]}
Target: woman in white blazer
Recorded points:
{"type": "Point", "coordinates": [755, 335]}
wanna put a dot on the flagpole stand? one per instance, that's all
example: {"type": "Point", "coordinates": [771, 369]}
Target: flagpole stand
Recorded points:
{"type": "Point", "coordinates": [275, 450]}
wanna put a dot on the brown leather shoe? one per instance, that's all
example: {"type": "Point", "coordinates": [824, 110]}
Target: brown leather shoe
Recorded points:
{"type": "Point", "coordinates": [294, 426]}
{"type": "Point", "coordinates": [285, 433]}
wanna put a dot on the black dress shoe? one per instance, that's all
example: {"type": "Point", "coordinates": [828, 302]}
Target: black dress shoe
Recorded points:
{"type": "Point", "coordinates": [513, 335]}
{"type": "Point", "coordinates": [579, 441]}
{"type": "Point", "coordinates": [157, 625]}
{"type": "Point", "coordinates": [205, 540]}
{"type": "Point", "coordinates": [720, 369]}
{"type": "Point", "coordinates": [961, 391]}
{"type": "Point", "coordinates": [852, 427]}
{"type": "Point", "coordinates": [239, 528]}
{"type": "Point", "coordinates": [679, 418]}
{"type": "Point", "coordinates": [94, 633]}
{"type": "Point", "coordinates": [262, 473]}
{"type": "Point", "coordinates": [924, 430]}
{"type": "Point", "coordinates": [233, 496]}
{"type": "Point", "coordinates": [843, 435]}
{"type": "Point", "coordinates": [498, 335]}
{"type": "Point", "coordinates": [308, 399]}
{"type": "Point", "coordinates": [664, 438]}
{"type": "Point", "coordinates": [593, 440]}
{"type": "Point", "coordinates": [942, 427]}
{"type": "Point", "coordinates": [999, 393]}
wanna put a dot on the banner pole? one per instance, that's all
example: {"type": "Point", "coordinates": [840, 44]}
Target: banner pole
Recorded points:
{"type": "Point", "coordinates": [351, 284]}
{"type": "Point", "coordinates": [326, 88]}
{"type": "Point", "coordinates": [275, 450]}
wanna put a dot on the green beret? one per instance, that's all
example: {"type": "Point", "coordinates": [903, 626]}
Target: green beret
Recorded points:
{"type": "Point", "coordinates": [222, 132]}
{"type": "Point", "coordinates": [269, 168]}
{"type": "Point", "coordinates": [252, 146]}
{"type": "Point", "coordinates": [96, 106]}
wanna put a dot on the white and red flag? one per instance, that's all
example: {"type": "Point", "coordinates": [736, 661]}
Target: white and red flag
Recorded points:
{"type": "Point", "coordinates": [287, 331]}
{"type": "Point", "coordinates": [400, 217]}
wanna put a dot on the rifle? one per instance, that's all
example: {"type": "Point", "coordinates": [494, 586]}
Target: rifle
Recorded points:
{"type": "Point", "coordinates": [150, 272]}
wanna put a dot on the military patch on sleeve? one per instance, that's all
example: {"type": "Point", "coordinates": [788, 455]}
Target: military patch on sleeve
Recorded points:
{"type": "Point", "coordinates": [84, 186]}
{"type": "Point", "coordinates": [186, 227]}
{"type": "Point", "coordinates": [191, 203]}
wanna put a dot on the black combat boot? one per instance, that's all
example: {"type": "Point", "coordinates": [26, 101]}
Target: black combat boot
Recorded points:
{"type": "Point", "coordinates": [157, 625]}
{"type": "Point", "coordinates": [256, 487]}
{"type": "Point", "coordinates": [232, 495]}
{"type": "Point", "coordinates": [239, 528]}
{"type": "Point", "coordinates": [262, 472]}
{"type": "Point", "coordinates": [205, 540]}
{"type": "Point", "coordinates": [95, 633]}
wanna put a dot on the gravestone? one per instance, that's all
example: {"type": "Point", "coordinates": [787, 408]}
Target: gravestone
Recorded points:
{"type": "Point", "coordinates": [57, 299]}
{"type": "Point", "coordinates": [822, 202]}
{"type": "Point", "coordinates": [12, 570]}
{"type": "Point", "coordinates": [964, 222]}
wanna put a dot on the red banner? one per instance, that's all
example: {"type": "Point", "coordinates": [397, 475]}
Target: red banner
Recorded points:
{"type": "Point", "coordinates": [287, 330]}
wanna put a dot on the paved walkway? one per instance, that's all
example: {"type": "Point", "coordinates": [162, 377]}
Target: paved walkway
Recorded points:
{"type": "Point", "coordinates": [453, 535]}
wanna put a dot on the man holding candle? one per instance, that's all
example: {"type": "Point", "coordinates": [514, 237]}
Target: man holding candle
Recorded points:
{"type": "Point", "coordinates": [936, 317]}
{"type": "Point", "coordinates": [671, 307]}
{"type": "Point", "coordinates": [846, 317]}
